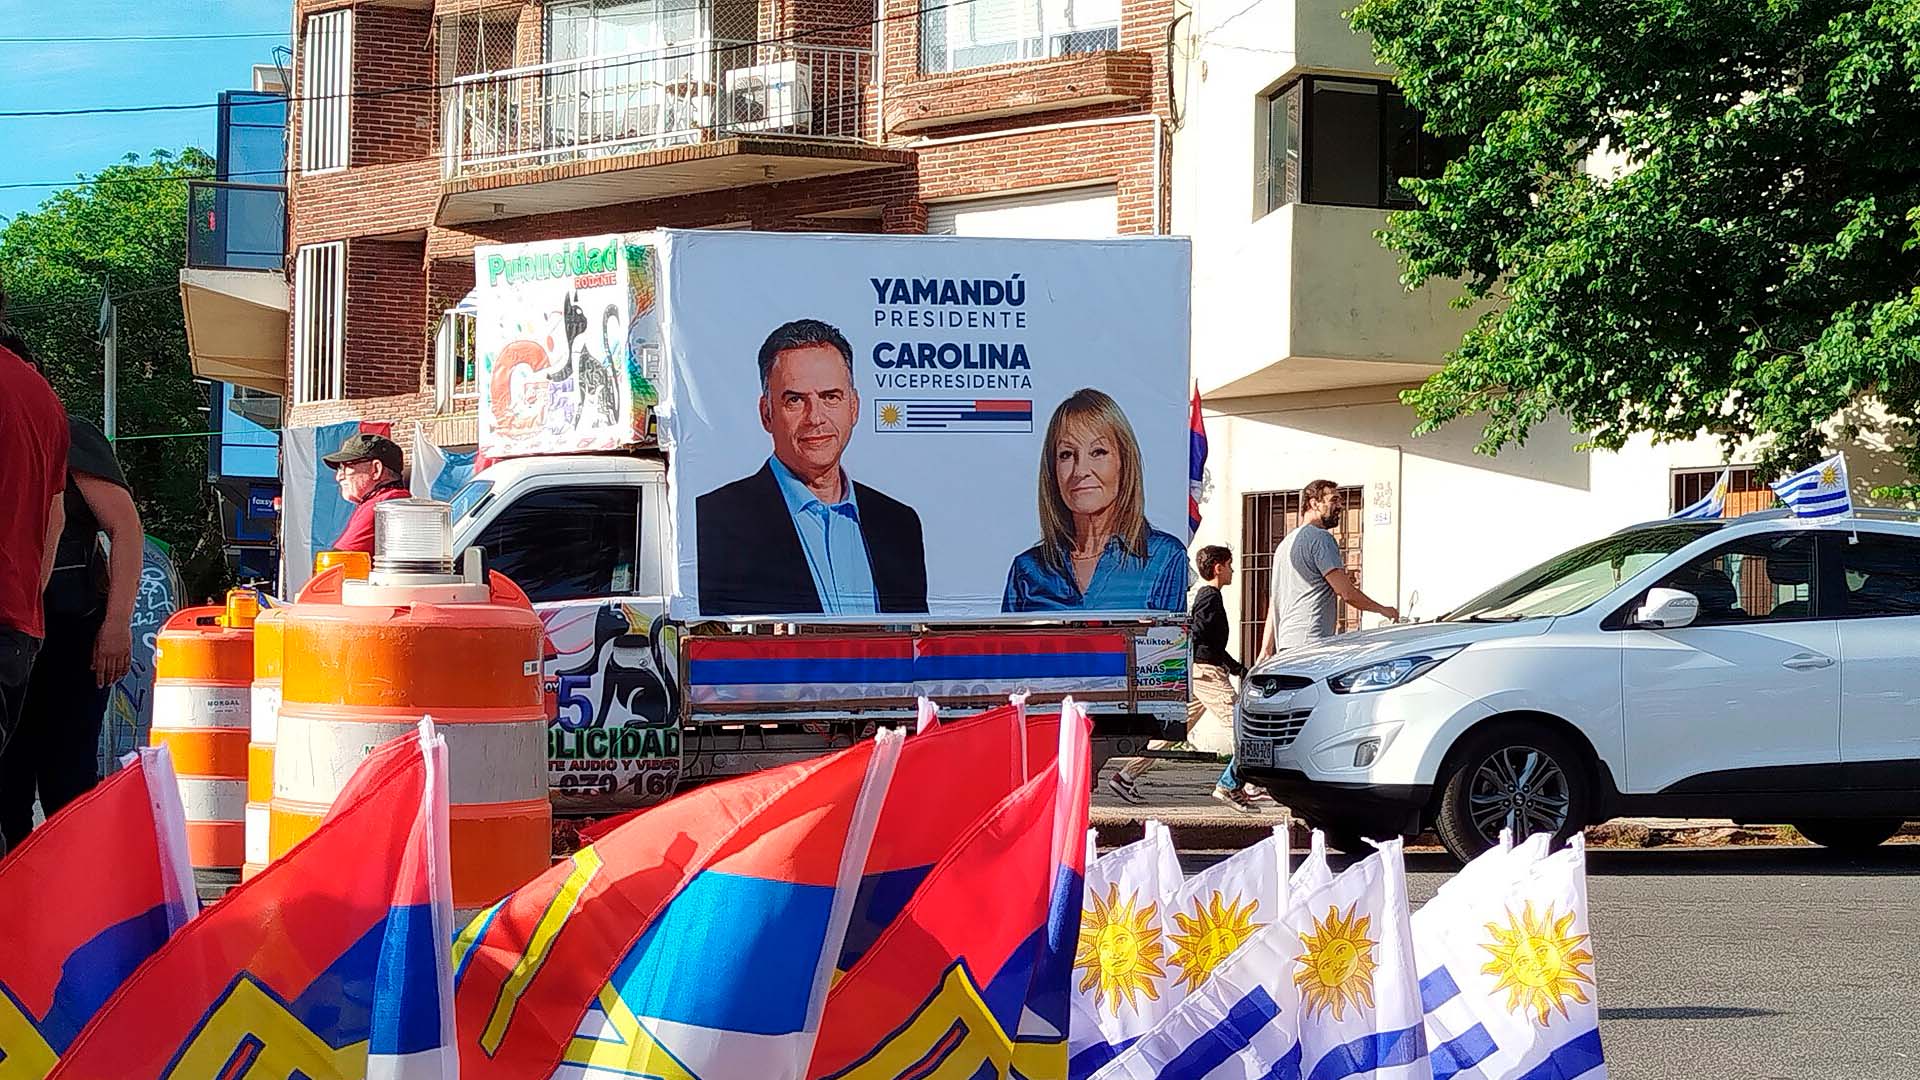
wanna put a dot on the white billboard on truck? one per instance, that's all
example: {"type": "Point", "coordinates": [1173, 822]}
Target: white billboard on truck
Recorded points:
{"type": "Point", "coordinates": [894, 429]}
{"type": "Point", "coordinates": [567, 333]}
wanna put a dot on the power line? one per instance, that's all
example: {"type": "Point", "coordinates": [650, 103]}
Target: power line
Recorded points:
{"type": "Point", "coordinates": [87, 301]}
{"type": "Point", "coordinates": [420, 88]}
{"type": "Point", "coordinates": [85, 39]}
{"type": "Point", "coordinates": [169, 179]}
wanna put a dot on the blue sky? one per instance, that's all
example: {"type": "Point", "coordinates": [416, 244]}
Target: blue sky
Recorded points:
{"type": "Point", "coordinates": [85, 74]}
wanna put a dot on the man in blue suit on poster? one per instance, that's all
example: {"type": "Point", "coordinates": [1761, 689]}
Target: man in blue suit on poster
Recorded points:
{"type": "Point", "coordinates": [799, 537]}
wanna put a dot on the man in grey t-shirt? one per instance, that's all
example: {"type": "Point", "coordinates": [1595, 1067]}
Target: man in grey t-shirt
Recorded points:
{"type": "Point", "coordinates": [1309, 574]}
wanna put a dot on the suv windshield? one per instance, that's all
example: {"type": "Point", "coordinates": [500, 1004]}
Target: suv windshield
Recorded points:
{"type": "Point", "coordinates": [1569, 582]}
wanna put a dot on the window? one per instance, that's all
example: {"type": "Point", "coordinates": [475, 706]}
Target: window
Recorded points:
{"type": "Point", "coordinates": [1766, 578]}
{"type": "Point", "coordinates": [1576, 579]}
{"type": "Point", "coordinates": [319, 317]}
{"type": "Point", "coordinates": [954, 37]}
{"type": "Point", "coordinates": [1347, 142]}
{"type": "Point", "coordinates": [587, 28]}
{"type": "Point", "coordinates": [326, 69]}
{"type": "Point", "coordinates": [1882, 574]}
{"type": "Point", "coordinates": [568, 543]}
{"type": "Point", "coordinates": [1266, 518]}
{"type": "Point", "coordinates": [1746, 492]}
{"type": "Point", "coordinates": [454, 357]}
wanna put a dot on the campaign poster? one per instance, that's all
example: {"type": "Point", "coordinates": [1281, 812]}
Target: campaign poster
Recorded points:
{"type": "Point", "coordinates": [614, 741]}
{"type": "Point", "coordinates": [568, 336]}
{"type": "Point", "coordinates": [926, 429]}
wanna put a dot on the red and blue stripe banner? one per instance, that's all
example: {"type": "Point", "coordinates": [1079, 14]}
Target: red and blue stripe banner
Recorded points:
{"type": "Point", "coordinates": [332, 962]}
{"type": "Point", "coordinates": [90, 895]}
{"type": "Point", "coordinates": [768, 669]}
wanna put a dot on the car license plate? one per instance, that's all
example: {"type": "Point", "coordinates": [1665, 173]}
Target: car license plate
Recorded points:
{"type": "Point", "coordinates": [1255, 752]}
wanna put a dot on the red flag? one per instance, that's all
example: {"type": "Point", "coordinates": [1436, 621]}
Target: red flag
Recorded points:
{"type": "Point", "coordinates": [91, 894]}
{"type": "Point", "coordinates": [976, 971]}
{"type": "Point", "coordinates": [331, 962]}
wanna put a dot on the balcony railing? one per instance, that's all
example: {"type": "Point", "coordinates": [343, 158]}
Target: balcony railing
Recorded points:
{"type": "Point", "coordinates": [236, 226]}
{"type": "Point", "coordinates": [580, 110]}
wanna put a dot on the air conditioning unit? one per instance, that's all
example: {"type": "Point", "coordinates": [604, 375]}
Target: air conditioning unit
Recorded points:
{"type": "Point", "coordinates": [770, 97]}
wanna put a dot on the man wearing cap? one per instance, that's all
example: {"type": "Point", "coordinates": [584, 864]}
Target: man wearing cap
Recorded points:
{"type": "Point", "coordinates": [368, 469]}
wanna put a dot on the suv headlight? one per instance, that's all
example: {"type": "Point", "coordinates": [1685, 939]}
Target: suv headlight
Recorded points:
{"type": "Point", "coordinates": [1389, 673]}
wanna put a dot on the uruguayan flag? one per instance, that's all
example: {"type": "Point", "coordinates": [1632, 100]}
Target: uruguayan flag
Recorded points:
{"type": "Point", "coordinates": [1353, 968]}
{"type": "Point", "coordinates": [1819, 492]}
{"type": "Point", "coordinates": [1314, 870]}
{"type": "Point", "coordinates": [1122, 985]}
{"type": "Point", "coordinates": [1713, 504]}
{"type": "Point", "coordinates": [1240, 1025]}
{"type": "Point", "coordinates": [1223, 906]}
{"type": "Point", "coordinates": [1507, 968]}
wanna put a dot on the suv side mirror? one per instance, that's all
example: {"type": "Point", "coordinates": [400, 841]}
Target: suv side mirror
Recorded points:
{"type": "Point", "coordinates": [1667, 609]}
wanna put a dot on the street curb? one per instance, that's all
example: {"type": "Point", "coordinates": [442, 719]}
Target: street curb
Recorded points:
{"type": "Point", "coordinates": [1222, 834]}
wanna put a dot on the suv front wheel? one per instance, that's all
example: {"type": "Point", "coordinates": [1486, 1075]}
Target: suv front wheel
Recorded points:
{"type": "Point", "coordinates": [1512, 775]}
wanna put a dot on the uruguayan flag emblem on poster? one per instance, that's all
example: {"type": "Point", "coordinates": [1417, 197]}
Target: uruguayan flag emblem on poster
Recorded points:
{"type": "Point", "coordinates": [1507, 968]}
{"type": "Point", "coordinates": [1819, 492]}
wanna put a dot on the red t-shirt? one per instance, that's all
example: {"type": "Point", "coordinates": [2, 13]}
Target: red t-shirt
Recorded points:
{"type": "Point", "coordinates": [358, 535]}
{"type": "Point", "coordinates": [33, 471]}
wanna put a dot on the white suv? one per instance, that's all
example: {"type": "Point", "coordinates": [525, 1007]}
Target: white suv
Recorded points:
{"type": "Point", "coordinates": [1764, 669]}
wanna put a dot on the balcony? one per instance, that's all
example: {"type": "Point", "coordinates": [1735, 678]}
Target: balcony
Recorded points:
{"type": "Point", "coordinates": [688, 118]}
{"type": "Point", "coordinates": [233, 290]}
{"type": "Point", "coordinates": [1306, 299]}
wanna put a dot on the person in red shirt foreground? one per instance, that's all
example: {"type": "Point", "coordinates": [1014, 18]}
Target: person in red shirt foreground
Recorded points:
{"type": "Point", "coordinates": [368, 469]}
{"type": "Point", "coordinates": [33, 485]}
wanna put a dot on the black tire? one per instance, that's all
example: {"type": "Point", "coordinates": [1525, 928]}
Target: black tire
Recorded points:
{"type": "Point", "coordinates": [1515, 772]}
{"type": "Point", "coordinates": [1853, 836]}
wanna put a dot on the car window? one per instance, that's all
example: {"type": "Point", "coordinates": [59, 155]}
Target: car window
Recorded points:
{"type": "Point", "coordinates": [468, 498]}
{"type": "Point", "coordinates": [567, 543]}
{"type": "Point", "coordinates": [1573, 580]}
{"type": "Point", "coordinates": [1762, 578]}
{"type": "Point", "coordinates": [1882, 574]}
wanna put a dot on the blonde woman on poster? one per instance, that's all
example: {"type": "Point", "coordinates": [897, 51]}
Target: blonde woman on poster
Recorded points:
{"type": "Point", "coordinates": [1097, 551]}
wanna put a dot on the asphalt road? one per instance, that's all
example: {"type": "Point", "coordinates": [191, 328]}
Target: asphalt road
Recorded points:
{"type": "Point", "coordinates": [1746, 963]}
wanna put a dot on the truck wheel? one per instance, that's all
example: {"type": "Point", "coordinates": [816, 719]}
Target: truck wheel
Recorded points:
{"type": "Point", "coordinates": [1851, 835]}
{"type": "Point", "coordinates": [1512, 775]}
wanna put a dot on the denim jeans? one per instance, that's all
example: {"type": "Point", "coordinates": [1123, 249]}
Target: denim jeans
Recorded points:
{"type": "Point", "coordinates": [1228, 778]}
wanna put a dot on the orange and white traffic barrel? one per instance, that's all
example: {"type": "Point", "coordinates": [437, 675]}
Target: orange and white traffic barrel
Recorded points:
{"type": "Point", "coordinates": [202, 713]}
{"type": "Point", "coordinates": [265, 705]}
{"type": "Point", "coordinates": [365, 660]}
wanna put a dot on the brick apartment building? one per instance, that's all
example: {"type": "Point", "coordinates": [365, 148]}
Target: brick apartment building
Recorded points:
{"type": "Point", "coordinates": [422, 129]}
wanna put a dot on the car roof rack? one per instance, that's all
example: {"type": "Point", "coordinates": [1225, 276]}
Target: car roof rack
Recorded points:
{"type": "Point", "coordinates": [1781, 513]}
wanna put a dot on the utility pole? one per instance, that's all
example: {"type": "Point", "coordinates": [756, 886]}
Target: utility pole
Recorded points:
{"type": "Point", "coordinates": [110, 339]}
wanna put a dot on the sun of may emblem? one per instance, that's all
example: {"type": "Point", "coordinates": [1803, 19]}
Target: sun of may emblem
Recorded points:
{"type": "Point", "coordinates": [1538, 961]}
{"type": "Point", "coordinates": [1829, 476]}
{"type": "Point", "coordinates": [1120, 950]}
{"type": "Point", "coordinates": [1209, 934]}
{"type": "Point", "coordinates": [891, 415]}
{"type": "Point", "coordinates": [1337, 968]}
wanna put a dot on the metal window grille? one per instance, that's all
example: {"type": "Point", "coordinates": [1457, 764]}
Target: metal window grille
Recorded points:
{"type": "Point", "coordinates": [455, 357]}
{"type": "Point", "coordinates": [326, 98]}
{"type": "Point", "coordinates": [954, 37]}
{"type": "Point", "coordinates": [1746, 492]}
{"type": "Point", "coordinates": [319, 321]}
{"type": "Point", "coordinates": [1266, 518]}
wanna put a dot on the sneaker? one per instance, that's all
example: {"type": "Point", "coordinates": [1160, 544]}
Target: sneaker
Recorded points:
{"type": "Point", "coordinates": [1258, 797]}
{"type": "Point", "coordinates": [1124, 789]}
{"type": "Point", "coordinates": [1235, 798]}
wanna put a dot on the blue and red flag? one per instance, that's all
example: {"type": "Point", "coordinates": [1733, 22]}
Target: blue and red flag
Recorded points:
{"type": "Point", "coordinates": [695, 940]}
{"type": "Point", "coordinates": [1196, 463]}
{"type": "Point", "coordinates": [332, 962]}
{"type": "Point", "coordinates": [973, 977]}
{"type": "Point", "coordinates": [90, 895]}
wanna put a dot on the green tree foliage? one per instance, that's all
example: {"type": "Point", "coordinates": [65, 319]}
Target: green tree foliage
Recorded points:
{"type": "Point", "coordinates": [1752, 270]}
{"type": "Point", "coordinates": [128, 231]}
